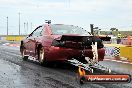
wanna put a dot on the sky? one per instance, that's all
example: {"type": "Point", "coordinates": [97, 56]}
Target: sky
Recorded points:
{"type": "Point", "coordinates": [104, 14]}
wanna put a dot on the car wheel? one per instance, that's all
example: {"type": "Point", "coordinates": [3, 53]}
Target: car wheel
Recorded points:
{"type": "Point", "coordinates": [23, 54]}
{"type": "Point", "coordinates": [41, 56]}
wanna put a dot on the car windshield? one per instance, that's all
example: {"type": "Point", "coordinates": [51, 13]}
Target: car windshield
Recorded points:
{"type": "Point", "coordinates": [68, 29]}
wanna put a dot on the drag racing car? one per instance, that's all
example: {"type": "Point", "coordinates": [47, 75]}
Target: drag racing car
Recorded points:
{"type": "Point", "coordinates": [59, 42]}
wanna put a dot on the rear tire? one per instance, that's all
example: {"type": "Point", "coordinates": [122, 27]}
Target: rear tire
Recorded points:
{"type": "Point", "coordinates": [23, 54]}
{"type": "Point", "coordinates": [41, 56]}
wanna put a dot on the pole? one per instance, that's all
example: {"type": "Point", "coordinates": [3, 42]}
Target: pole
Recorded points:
{"type": "Point", "coordinates": [27, 27]}
{"type": "Point", "coordinates": [19, 23]}
{"type": "Point", "coordinates": [31, 26]}
{"type": "Point", "coordinates": [7, 25]}
{"type": "Point", "coordinates": [69, 3]}
{"type": "Point", "coordinates": [91, 27]}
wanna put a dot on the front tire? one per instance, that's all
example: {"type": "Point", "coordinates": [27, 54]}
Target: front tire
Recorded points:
{"type": "Point", "coordinates": [23, 54]}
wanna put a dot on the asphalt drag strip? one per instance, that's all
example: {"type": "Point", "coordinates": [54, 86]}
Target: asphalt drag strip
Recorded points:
{"type": "Point", "coordinates": [14, 73]}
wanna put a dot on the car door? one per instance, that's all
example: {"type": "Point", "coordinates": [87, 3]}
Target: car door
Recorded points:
{"type": "Point", "coordinates": [31, 42]}
{"type": "Point", "coordinates": [28, 42]}
{"type": "Point", "coordinates": [36, 38]}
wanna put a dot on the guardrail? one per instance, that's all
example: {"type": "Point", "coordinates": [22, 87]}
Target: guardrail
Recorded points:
{"type": "Point", "coordinates": [13, 37]}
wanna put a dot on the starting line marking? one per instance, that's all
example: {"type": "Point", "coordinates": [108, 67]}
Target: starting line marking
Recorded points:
{"type": "Point", "coordinates": [12, 45]}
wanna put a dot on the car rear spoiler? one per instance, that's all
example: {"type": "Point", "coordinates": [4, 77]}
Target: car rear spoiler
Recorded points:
{"type": "Point", "coordinates": [79, 38]}
{"type": "Point", "coordinates": [73, 38]}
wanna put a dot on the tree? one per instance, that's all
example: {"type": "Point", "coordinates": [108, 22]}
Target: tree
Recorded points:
{"type": "Point", "coordinates": [114, 31]}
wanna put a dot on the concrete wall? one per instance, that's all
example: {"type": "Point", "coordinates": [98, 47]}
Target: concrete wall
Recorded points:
{"type": "Point", "coordinates": [126, 52]}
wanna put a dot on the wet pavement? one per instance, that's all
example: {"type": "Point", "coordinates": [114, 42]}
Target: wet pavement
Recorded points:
{"type": "Point", "coordinates": [16, 73]}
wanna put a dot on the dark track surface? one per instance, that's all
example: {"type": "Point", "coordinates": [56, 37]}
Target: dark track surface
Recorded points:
{"type": "Point", "coordinates": [16, 73]}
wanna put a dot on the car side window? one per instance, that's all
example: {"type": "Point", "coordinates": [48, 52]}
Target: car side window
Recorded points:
{"type": "Point", "coordinates": [37, 32]}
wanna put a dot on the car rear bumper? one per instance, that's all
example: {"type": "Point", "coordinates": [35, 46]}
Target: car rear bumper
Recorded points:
{"type": "Point", "coordinates": [58, 53]}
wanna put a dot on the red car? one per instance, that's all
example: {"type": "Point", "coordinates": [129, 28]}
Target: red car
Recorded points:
{"type": "Point", "coordinates": [58, 42]}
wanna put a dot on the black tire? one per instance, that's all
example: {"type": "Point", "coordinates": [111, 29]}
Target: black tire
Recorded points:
{"type": "Point", "coordinates": [82, 80]}
{"type": "Point", "coordinates": [41, 56]}
{"type": "Point", "coordinates": [23, 50]}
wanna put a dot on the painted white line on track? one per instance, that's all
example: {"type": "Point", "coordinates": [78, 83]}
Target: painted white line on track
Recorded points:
{"type": "Point", "coordinates": [119, 61]}
{"type": "Point", "coordinates": [11, 45]}
{"type": "Point", "coordinates": [5, 44]}
{"type": "Point", "coordinates": [106, 59]}
{"type": "Point", "coordinates": [113, 60]}
{"type": "Point", "coordinates": [125, 62]}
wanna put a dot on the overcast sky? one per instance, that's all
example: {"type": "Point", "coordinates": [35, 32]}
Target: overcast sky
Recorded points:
{"type": "Point", "coordinates": [103, 13]}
